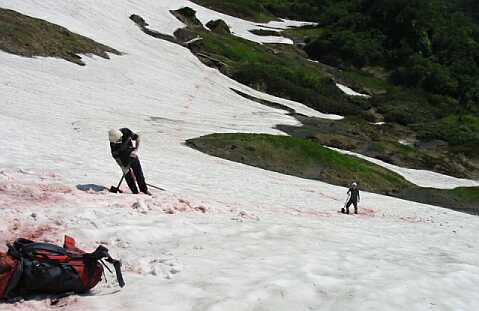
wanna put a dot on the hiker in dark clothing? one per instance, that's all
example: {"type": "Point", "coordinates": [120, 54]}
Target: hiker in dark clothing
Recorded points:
{"type": "Point", "coordinates": [126, 155]}
{"type": "Point", "coordinates": [353, 198]}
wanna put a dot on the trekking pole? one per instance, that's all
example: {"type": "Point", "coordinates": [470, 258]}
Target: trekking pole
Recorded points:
{"type": "Point", "coordinates": [343, 210]}
{"type": "Point", "coordinates": [114, 189]}
{"type": "Point", "coordinates": [156, 187]}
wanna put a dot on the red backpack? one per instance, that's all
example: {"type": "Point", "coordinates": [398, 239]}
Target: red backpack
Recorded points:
{"type": "Point", "coordinates": [32, 268]}
{"type": "Point", "coordinates": [8, 266]}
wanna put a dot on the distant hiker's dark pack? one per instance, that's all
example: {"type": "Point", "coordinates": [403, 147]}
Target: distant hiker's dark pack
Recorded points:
{"type": "Point", "coordinates": [31, 268]}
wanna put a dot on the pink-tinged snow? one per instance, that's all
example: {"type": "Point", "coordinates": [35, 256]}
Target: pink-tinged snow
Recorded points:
{"type": "Point", "coordinates": [349, 91]}
{"type": "Point", "coordinates": [224, 236]}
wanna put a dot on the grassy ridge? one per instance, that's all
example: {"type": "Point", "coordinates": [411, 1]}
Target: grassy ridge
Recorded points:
{"type": "Point", "coordinates": [306, 159]}
{"type": "Point", "coordinates": [280, 70]}
{"type": "Point", "coordinates": [464, 199]}
{"type": "Point", "coordinates": [266, 10]}
{"type": "Point", "coordinates": [246, 9]}
{"type": "Point", "coordinates": [300, 158]}
{"type": "Point", "coordinates": [27, 36]}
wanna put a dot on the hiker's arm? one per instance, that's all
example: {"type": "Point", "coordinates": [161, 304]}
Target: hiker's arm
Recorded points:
{"type": "Point", "coordinates": [137, 139]}
{"type": "Point", "coordinates": [124, 145]}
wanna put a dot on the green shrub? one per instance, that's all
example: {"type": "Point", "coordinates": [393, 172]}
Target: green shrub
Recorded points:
{"type": "Point", "coordinates": [347, 48]}
{"type": "Point", "coordinates": [296, 83]}
{"type": "Point", "coordinates": [456, 130]}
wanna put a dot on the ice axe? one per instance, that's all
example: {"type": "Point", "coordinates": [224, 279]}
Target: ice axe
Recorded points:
{"type": "Point", "coordinates": [116, 189]}
{"type": "Point", "coordinates": [343, 210]}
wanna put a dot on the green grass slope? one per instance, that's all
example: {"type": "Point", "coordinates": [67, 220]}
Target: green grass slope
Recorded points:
{"type": "Point", "coordinates": [300, 158]}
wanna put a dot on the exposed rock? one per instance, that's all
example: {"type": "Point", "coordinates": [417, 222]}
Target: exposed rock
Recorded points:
{"type": "Point", "coordinates": [211, 61]}
{"type": "Point", "coordinates": [373, 116]}
{"type": "Point", "coordinates": [185, 35]}
{"type": "Point", "coordinates": [268, 103]}
{"type": "Point", "coordinates": [139, 20]}
{"type": "Point", "coordinates": [265, 33]}
{"type": "Point", "coordinates": [187, 16]}
{"type": "Point", "coordinates": [159, 35]}
{"type": "Point", "coordinates": [219, 26]}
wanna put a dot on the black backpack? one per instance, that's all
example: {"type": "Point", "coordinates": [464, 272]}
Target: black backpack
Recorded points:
{"type": "Point", "coordinates": [45, 268]}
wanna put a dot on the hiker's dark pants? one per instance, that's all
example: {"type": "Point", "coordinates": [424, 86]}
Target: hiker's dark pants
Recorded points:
{"type": "Point", "coordinates": [135, 174]}
{"type": "Point", "coordinates": [354, 202]}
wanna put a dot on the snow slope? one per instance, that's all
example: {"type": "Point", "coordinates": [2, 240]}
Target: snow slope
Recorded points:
{"type": "Point", "coordinates": [421, 178]}
{"type": "Point", "coordinates": [349, 91]}
{"type": "Point", "coordinates": [224, 236]}
{"type": "Point", "coordinates": [241, 28]}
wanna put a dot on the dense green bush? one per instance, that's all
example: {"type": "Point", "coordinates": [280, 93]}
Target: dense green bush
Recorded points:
{"type": "Point", "coordinates": [421, 72]}
{"type": "Point", "coordinates": [347, 48]}
{"type": "Point", "coordinates": [283, 73]}
{"type": "Point", "coordinates": [460, 130]}
{"type": "Point", "coordinates": [296, 83]}
{"type": "Point", "coordinates": [435, 43]}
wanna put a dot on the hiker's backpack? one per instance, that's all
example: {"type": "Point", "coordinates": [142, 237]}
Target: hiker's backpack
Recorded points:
{"type": "Point", "coordinates": [44, 268]}
{"type": "Point", "coordinates": [8, 267]}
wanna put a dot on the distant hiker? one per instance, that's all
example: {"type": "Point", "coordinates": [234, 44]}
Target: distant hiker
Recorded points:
{"type": "Point", "coordinates": [126, 155]}
{"type": "Point", "coordinates": [353, 198]}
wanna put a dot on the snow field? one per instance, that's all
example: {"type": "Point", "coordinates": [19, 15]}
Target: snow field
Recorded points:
{"type": "Point", "coordinates": [256, 257]}
{"type": "Point", "coordinates": [421, 178]}
{"type": "Point", "coordinates": [241, 28]}
{"type": "Point", "coordinates": [224, 235]}
{"type": "Point", "coordinates": [349, 91]}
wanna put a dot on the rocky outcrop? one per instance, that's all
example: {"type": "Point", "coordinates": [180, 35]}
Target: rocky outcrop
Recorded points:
{"type": "Point", "coordinates": [188, 17]}
{"type": "Point", "coordinates": [219, 26]}
{"type": "Point", "coordinates": [143, 25]}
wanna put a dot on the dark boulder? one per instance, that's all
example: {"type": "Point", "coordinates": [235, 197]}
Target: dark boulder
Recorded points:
{"type": "Point", "coordinates": [138, 20]}
{"type": "Point", "coordinates": [185, 35]}
{"type": "Point", "coordinates": [219, 26]}
{"type": "Point", "coordinates": [188, 16]}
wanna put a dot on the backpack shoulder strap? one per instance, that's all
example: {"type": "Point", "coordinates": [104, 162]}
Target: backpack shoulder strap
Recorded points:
{"type": "Point", "coordinates": [32, 249]}
{"type": "Point", "coordinates": [102, 252]}
{"type": "Point", "coordinates": [16, 276]}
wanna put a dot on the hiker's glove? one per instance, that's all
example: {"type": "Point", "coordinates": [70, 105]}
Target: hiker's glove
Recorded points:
{"type": "Point", "coordinates": [134, 154]}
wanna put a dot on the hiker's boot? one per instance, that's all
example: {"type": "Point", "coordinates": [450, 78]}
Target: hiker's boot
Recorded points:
{"type": "Point", "coordinates": [355, 210]}
{"type": "Point", "coordinates": [343, 211]}
{"type": "Point", "coordinates": [347, 211]}
{"type": "Point", "coordinates": [147, 192]}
